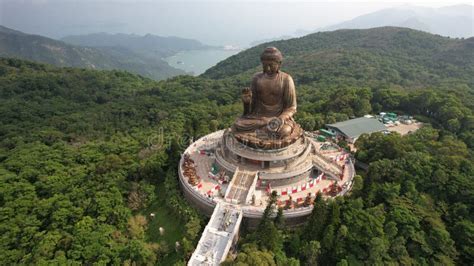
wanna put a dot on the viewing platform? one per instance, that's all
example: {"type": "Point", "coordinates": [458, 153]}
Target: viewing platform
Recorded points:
{"type": "Point", "coordinates": [247, 183]}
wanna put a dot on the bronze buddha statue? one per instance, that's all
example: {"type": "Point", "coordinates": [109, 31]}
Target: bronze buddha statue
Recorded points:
{"type": "Point", "coordinates": [269, 106]}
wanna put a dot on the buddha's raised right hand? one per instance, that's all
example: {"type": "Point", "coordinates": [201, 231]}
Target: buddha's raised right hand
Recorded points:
{"type": "Point", "coordinates": [246, 95]}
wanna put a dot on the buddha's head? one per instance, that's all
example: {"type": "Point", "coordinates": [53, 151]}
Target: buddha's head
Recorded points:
{"type": "Point", "coordinates": [271, 60]}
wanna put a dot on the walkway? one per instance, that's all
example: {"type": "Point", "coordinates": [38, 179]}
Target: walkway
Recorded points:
{"type": "Point", "coordinates": [218, 236]}
{"type": "Point", "coordinates": [240, 186]}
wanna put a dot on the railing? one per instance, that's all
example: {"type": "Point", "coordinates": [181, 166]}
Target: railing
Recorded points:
{"type": "Point", "coordinates": [300, 170]}
{"type": "Point", "coordinates": [250, 212]}
{"type": "Point", "coordinates": [196, 194]}
{"type": "Point", "coordinates": [220, 159]}
{"type": "Point", "coordinates": [210, 141]}
{"type": "Point", "coordinates": [349, 183]}
{"type": "Point", "coordinates": [251, 190]}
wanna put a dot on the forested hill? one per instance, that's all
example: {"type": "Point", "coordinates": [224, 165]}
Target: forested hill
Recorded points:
{"type": "Point", "coordinates": [147, 45]}
{"type": "Point", "coordinates": [86, 155]}
{"type": "Point", "coordinates": [45, 50]}
{"type": "Point", "coordinates": [380, 55]}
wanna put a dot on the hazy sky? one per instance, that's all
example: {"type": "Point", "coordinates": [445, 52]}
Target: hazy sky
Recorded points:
{"type": "Point", "coordinates": [212, 22]}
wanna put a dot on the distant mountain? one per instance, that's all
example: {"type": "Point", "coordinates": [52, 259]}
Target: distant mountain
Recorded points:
{"type": "Point", "coordinates": [284, 37]}
{"type": "Point", "coordinates": [387, 55]}
{"type": "Point", "coordinates": [453, 21]}
{"type": "Point", "coordinates": [41, 49]}
{"type": "Point", "coordinates": [148, 45]}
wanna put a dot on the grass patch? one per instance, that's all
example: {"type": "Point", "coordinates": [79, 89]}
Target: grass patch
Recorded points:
{"type": "Point", "coordinates": [174, 228]}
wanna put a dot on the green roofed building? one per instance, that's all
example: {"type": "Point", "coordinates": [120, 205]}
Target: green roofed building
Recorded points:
{"type": "Point", "coordinates": [351, 129]}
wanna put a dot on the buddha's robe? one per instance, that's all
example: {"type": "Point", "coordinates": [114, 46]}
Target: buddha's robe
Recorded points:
{"type": "Point", "coordinates": [271, 97]}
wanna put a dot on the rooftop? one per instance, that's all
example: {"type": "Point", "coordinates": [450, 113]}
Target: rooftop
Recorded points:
{"type": "Point", "coordinates": [353, 128]}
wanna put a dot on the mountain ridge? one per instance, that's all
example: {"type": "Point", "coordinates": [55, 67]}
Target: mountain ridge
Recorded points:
{"type": "Point", "coordinates": [147, 45]}
{"type": "Point", "coordinates": [416, 56]}
{"type": "Point", "coordinates": [45, 50]}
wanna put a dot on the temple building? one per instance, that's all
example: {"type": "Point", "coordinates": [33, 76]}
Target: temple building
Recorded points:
{"type": "Point", "coordinates": [350, 130]}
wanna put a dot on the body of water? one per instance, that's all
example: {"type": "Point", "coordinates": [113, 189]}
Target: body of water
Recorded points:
{"type": "Point", "coordinates": [197, 62]}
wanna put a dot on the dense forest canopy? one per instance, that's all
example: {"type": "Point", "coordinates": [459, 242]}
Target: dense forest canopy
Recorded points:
{"type": "Point", "coordinates": [86, 155]}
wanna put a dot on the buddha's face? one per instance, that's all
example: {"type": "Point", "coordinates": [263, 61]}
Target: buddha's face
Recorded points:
{"type": "Point", "coordinates": [270, 67]}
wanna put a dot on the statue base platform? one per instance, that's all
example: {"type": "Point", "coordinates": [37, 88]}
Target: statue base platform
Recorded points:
{"type": "Point", "coordinates": [229, 171]}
